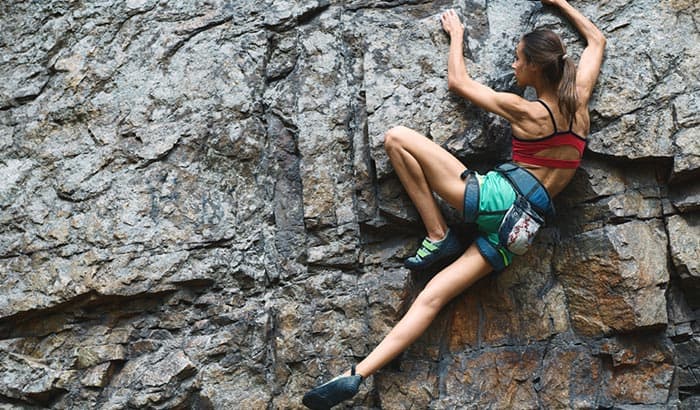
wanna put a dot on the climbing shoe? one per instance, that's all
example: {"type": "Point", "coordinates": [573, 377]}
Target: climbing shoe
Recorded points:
{"type": "Point", "coordinates": [333, 392]}
{"type": "Point", "coordinates": [433, 255]}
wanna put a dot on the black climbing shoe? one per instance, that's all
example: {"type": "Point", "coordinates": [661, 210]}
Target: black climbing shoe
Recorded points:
{"type": "Point", "coordinates": [333, 392]}
{"type": "Point", "coordinates": [431, 254]}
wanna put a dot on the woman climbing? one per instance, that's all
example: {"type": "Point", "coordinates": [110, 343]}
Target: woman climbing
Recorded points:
{"type": "Point", "coordinates": [509, 203]}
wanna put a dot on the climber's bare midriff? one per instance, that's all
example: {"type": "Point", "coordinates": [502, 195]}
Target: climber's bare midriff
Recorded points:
{"type": "Point", "coordinates": [553, 179]}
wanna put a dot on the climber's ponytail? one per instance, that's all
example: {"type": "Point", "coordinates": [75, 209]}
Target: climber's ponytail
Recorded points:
{"type": "Point", "coordinates": [567, 88]}
{"type": "Point", "coordinates": [545, 49]}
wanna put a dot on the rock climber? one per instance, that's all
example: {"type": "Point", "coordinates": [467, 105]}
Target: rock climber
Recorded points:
{"type": "Point", "coordinates": [509, 203]}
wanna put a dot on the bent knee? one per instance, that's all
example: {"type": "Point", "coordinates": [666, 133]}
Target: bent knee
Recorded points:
{"type": "Point", "coordinates": [394, 136]}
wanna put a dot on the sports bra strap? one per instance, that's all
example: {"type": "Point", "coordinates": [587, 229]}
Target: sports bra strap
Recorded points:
{"type": "Point", "coordinates": [551, 115]}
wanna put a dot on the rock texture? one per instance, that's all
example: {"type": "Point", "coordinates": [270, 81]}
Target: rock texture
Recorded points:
{"type": "Point", "coordinates": [196, 210]}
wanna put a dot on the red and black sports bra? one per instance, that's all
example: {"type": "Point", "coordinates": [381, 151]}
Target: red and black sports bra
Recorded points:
{"type": "Point", "coordinates": [525, 150]}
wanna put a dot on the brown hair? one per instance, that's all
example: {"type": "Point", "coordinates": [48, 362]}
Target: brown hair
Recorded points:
{"type": "Point", "coordinates": [545, 49]}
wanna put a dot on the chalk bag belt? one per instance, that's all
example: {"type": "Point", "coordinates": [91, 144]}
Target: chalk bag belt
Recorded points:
{"type": "Point", "coordinates": [528, 186]}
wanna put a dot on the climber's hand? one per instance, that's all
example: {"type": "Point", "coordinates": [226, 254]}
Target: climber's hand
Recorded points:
{"type": "Point", "coordinates": [451, 23]}
{"type": "Point", "coordinates": [550, 2]}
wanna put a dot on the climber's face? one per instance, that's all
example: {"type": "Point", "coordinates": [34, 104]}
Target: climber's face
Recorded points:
{"type": "Point", "coordinates": [523, 70]}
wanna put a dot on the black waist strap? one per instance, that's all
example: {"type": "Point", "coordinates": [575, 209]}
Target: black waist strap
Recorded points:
{"type": "Point", "coordinates": [528, 186]}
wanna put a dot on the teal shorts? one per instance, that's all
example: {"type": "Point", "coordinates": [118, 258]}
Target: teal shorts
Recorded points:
{"type": "Point", "coordinates": [487, 198]}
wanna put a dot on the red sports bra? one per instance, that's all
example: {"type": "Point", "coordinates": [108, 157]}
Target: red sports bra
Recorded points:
{"type": "Point", "coordinates": [525, 150]}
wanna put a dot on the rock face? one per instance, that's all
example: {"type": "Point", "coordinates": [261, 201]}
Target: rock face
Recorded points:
{"type": "Point", "coordinates": [196, 210]}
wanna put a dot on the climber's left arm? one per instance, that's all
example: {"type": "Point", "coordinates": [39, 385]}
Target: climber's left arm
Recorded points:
{"type": "Point", "coordinates": [509, 106]}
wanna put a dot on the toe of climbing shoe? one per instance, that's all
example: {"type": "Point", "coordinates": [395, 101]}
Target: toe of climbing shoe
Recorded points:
{"type": "Point", "coordinates": [432, 254]}
{"type": "Point", "coordinates": [333, 392]}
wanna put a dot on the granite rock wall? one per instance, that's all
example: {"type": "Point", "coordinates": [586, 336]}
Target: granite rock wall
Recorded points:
{"type": "Point", "coordinates": [196, 210]}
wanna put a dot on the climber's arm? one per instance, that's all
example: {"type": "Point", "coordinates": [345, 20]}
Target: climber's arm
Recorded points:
{"type": "Point", "coordinates": [592, 56]}
{"type": "Point", "coordinates": [509, 106]}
